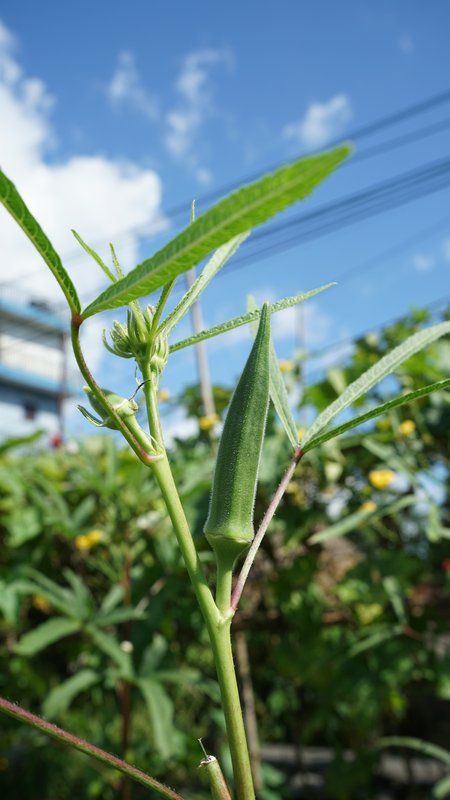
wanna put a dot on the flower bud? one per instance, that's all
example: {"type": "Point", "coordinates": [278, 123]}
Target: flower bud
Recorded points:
{"type": "Point", "coordinates": [123, 407]}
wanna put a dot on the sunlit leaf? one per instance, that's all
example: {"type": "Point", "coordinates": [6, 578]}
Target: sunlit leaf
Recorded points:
{"type": "Point", "coordinates": [244, 209]}
{"type": "Point", "coordinates": [374, 375]}
{"type": "Point", "coordinates": [218, 260]}
{"type": "Point", "coordinates": [244, 319]}
{"type": "Point", "coordinates": [13, 202]}
{"type": "Point", "coordinates": [376, 412]}
{"type": "Point", "coordinates": [95, 256]}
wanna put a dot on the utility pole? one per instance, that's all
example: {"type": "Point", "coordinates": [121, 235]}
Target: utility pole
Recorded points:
{"type": "Point", "coordinates": [206, 394]}
{"type": "Point", "coordinates": [209, 408]}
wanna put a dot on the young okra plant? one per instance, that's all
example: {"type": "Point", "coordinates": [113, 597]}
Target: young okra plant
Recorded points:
{"type": "Point", "coordinates": [146, 335]}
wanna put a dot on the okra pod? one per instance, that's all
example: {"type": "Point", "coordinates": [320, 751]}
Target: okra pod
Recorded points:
{"type": "Point", "coordinates": [229, 527]}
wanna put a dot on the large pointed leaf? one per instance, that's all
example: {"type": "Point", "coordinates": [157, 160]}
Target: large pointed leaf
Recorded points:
{"type": "Point", "coordinates": [61, 697]}
{"type": "Point", "coordinates": [376, 412]}
{"type": "Point", "coordinates": [218, 260]}
{"type": "Point", "coordinates": [12, 200]}
{"type": "Point", "coordinates": [244, 319]}
{"type": "Point", "coordinates": [375, 374]}
{"type": "Point", "coordinates": [160, 710]}
{"type": "Point", "coordinates": [241, 211]}
{"type": "Point", "coordinates": [46, 634]}
{"type": "Point", "coordinates": [278, 391]}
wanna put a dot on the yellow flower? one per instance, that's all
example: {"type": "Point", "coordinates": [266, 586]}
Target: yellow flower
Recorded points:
{"type": "Point", "coordinates": [41, 603]}
{"type": "Point", "coordinates": [381, 478]}
{"type": "Point", "coordinates": [286, 366]}
{"type": "Point", "coordinates": [301, 432]}
{"type": "Point", "coordinates": [164, 395]}
{"type": "Point", "coordinates": [407, 427]}
{"type": "Point", "coordinates": [368, 506]}
{"type": "Point", "coordinates": [88, 540]}
{"type": "Point", "coordinates": [208, 422]}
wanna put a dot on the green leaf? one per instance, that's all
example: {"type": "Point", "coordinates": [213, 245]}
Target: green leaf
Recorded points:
{"type": "Point", "coordinates": [113, 597]}
{"type": "Point", "coordinates": [375, 374]}
{"type": "Point", "coordinates": [244, 319]}
{"type": "Point", "coordinates": [160, 710]}
{"type": "Point", "coordinates": [60, 698]}
{"type": "Point", "coordinates": [111, 647]}
{"type": "Point", "coordinates": [375, 639]}
{"type": "Point", "coordinates": [19, 441]}
{"type": "Point", "coordinates": [116, 616]}
{"type": "Point", "coordinates": [249, 206]}
{"type": "Point", "coordinates": [376, 412]}
{"type": "Point", "coordinates": [218, 260]}
{"type": "Point", "coordinates": [442, 788]}
{"type": "Point", "coordinates": [83, 604]}
{"type": "Point", "coordinates": [95, 256]}
{"type": "Point", "coordinates": [49, 632]}
{"type": "Point", "coordinates": [352, 521]}
{"type": "Point", "coordinates": [278, 391]}
{"type": "Point", "coordinates": [13, 202]}
{"type": "Point", "coordinates": [426, 748]}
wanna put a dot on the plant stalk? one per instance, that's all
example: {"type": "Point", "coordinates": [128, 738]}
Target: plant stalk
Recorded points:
{"type": "Point", "coordinates": [83, 746]}
{"type": "Point", "coordinates": [217, 623]}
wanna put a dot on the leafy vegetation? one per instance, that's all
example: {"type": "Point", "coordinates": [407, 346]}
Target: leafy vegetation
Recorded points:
{"type": "Point", "coordinates": [92, 567]}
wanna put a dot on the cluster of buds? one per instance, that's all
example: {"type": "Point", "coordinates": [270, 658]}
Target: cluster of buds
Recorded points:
{"type": "Point", "coordinates": [137, 340]}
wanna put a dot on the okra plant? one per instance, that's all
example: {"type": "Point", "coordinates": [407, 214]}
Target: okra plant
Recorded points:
{"type": "Point", "coordinates": [146, 335]}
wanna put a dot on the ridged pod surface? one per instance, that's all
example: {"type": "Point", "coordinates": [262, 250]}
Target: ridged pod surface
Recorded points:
{"type": "Point", "coordinates": [229, 527]}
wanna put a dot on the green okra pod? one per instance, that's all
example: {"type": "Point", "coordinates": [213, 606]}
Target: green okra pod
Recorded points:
{"type": "Point", "coordinates": [229, 527]}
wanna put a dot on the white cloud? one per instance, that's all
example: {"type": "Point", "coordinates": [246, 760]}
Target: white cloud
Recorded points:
{"type": "Point", "coordinates": [126, 89]}
{"type": "Point", "coordinates": [423, 263]}
{"type": "Point", "coordinates": [321, 122]}
{"type": "Point", "coordinates": [406, 43]}
{"type": "Point", "coordinates": [104, 199]}
{"type": "Point", "coordinates": [194, 107]}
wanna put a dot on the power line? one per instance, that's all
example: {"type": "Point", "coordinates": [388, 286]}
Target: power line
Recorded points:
{"type": "Point", "coordinates": [354, 208]}
{"type": "Point", "coordinates": [355, 135]}
{"type": "Point", "coordinates": [331, 217]}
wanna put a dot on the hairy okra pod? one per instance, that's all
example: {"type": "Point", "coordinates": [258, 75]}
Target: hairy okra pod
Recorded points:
{"type": "Point", "coordinates": [229, 527]}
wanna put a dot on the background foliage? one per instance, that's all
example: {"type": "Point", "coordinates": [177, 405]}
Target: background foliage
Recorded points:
{"type": "Point", "coordinates": [345, 615]}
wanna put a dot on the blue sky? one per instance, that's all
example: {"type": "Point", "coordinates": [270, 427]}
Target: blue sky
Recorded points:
{"type": "Point", "coordinates": [112, 118]}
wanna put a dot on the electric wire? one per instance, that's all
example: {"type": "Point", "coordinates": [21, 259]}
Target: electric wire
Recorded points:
{"type": "Point", "coordinates": [355, 135]}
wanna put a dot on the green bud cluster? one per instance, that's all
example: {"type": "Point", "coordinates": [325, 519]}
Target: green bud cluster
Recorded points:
{"type": "Point", "coordinates": [137, 340]}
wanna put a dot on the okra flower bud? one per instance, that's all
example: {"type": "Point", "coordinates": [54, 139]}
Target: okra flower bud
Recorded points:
{"type": "Point", "coordinates": [229, 527]}
{"type": "Point", "coordinates": [123, 407]}
{"type": "Point", "coordinates": [137, 340]}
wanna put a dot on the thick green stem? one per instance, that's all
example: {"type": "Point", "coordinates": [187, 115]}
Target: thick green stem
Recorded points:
{"type": "Point", "coordinates": [163, 474]}
{"type": "Point", "coordinates": [218, 621]}
{"type": "Point", "coordinates": [223, 586]}
{"type": "Point", "coordinates": [237, 740]}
